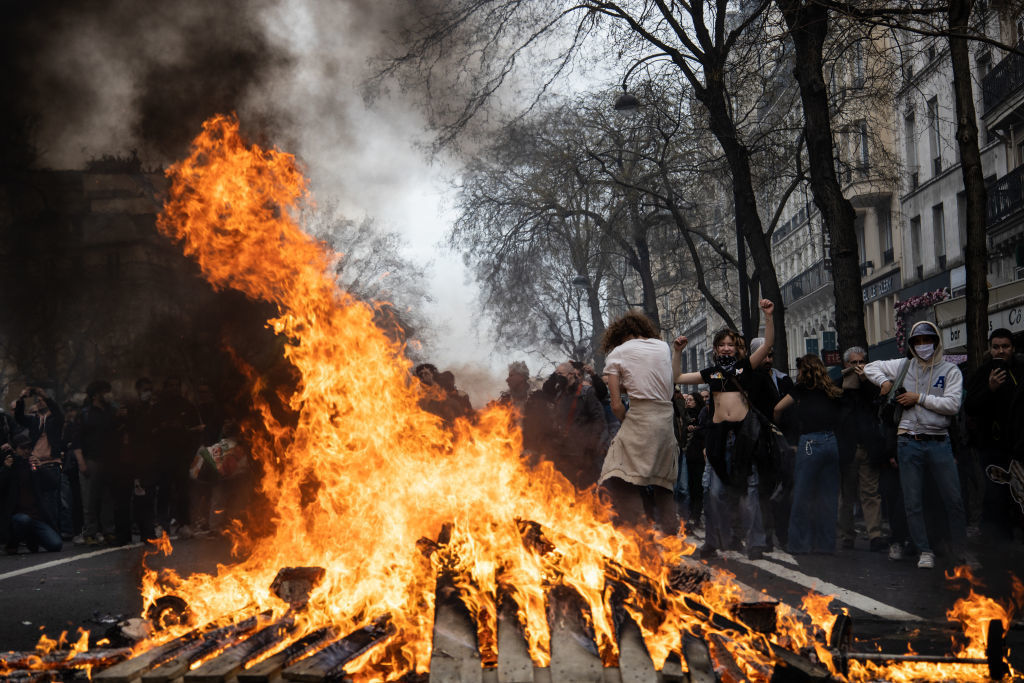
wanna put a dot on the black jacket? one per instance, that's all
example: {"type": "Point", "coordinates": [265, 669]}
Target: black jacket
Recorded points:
{"type": "Point", "coordinates": [54, 425]}
{"type": "Point", "coordinates": [11, 480]}
{"type": "Point", "coordinates": [988, 413]}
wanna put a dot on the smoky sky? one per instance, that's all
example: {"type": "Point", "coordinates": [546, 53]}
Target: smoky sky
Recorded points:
{"type": "Point", "coordinates": [100, 77]}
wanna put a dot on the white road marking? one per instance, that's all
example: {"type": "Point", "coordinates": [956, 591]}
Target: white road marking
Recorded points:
{"type": "Point", "coordinates": [846, 596]}
{"type": "Point", "coordinates": [66, 560]}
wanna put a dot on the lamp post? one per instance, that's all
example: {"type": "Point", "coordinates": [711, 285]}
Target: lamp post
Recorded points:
{"type": "Point", "coordinates": [628, 103]}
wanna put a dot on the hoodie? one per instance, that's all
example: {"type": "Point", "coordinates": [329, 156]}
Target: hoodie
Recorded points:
{"type": "Point", "coordinates": [939, 382]}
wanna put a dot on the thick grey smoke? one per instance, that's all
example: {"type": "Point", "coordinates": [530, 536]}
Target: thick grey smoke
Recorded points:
{"type": "Point", "coordinates": [105, 77]}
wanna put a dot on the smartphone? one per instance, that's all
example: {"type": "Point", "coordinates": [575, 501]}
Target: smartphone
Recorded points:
{"type": "Point", "coordinates": [899, 392]}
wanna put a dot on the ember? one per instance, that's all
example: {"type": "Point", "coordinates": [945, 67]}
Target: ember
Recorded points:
{"type": "Point", "coordinates": [365, 478]}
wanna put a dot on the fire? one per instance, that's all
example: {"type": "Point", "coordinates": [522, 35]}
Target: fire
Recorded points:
{"type": "Point", "coordinates": [362, 475]}
{"type": "Point", "coordinates": [384, 473]}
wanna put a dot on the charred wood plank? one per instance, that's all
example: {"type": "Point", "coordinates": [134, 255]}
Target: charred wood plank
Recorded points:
{"type": "Point", "coordinates": [206, 644]}
{"type": "Point", "coordinates": [234, 658]}
{"type": "Point", "coordinates": [328, 663]}
{"type": "Point", "coordinates": [133, 668]}
{"type": "Point", "coordinates": [271, 667]}
{"type": "Point", "coordinates": [698, 660]}
{"type": "Point", "coordinates": [62, 660]}
{"type": "Point", "coordinates": [514, 663]}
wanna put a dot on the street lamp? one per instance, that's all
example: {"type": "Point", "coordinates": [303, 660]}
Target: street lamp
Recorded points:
{"type": "Point", "coordinates": [628, 103]}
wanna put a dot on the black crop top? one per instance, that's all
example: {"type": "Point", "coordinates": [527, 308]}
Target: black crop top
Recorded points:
{"type": "Point", "coordinates": [718, 381]}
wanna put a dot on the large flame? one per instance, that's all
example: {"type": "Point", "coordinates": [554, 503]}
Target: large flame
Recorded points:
{"type": "Point", "coordinates": [364, 473]}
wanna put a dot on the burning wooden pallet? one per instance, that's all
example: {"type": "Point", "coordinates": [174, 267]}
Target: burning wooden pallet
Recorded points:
{"type": "Point", "coordinates": [489, 648]}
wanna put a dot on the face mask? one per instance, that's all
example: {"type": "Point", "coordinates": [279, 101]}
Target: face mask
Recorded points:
{"type": "Point", "coordinates": [924, 351]}
{"type": "Point", "coordinates": [727, 363]}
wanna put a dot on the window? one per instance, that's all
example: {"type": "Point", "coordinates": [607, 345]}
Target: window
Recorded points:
{"type": "Point", "coordinates": [915, 242]}
{"type": "Point", "coordinates": [910, 135]}
{"type": "Point", "coordinates": [939, 234]}
{"type": "Point", "coordinates": [885, 234]}
{"type": "Point", "coordinates": [858, 64]}
{"type": "Point", "coordinates": [858, 228]}
{"type": "Point", "coordinates": [961, 220]}
{"type": "Point", "coordinates": [984, 62]}
{"type": "Point", "coordinates": [934, 140]}
{"type": "Point", "coordinates": [862, 128]}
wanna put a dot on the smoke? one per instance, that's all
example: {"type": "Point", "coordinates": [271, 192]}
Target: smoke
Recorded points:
{"type": "Point", "coordinates": [105, 77]}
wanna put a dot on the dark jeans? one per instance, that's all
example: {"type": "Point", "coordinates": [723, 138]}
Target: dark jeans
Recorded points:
{"type": "Point", "coordinates": [812, 521]}
{"type": "Point", "coordinates": [33, 533]}
{"type": "Point", "coordinates": [917, 458]}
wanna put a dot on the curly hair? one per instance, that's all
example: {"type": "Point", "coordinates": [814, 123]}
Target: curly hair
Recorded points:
{"type": "Point", "coordinates": [813, 375]}
{"type": "Point", "coordinates": [633, 324]}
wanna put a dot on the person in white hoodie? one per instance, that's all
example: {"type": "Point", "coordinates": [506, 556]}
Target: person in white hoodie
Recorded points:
{"type": "Point", "coordinates": [929, 396]}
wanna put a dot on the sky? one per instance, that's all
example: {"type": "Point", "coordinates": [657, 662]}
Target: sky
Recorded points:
{"type": "Point", "coordinates": [107, 77]}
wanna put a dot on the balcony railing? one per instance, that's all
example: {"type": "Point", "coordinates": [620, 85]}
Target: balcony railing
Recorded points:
{"type": "Point", "coordinates": [1005, 196]}
{"type": "Point", "coordinates": [806, 282]}
{"type": "Point", "coordinates": [1003, 79]}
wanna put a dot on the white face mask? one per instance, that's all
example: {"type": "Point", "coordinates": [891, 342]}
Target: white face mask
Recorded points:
{"type": "Point", "coordinates": [924, 351]}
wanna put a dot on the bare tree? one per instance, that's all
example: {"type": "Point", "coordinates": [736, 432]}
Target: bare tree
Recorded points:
{"type": "Point", "coordinates": [372, 268]}
{"type": "Point", "coordinates": [478, 43]}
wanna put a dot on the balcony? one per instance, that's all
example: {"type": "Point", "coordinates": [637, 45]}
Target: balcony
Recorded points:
{"type": "Point", "coordinates": [815, 277]}
{"type": "Point", "coordinates": [1005, 197]}
{"type": "Point", "coordinates": [1001, 92]}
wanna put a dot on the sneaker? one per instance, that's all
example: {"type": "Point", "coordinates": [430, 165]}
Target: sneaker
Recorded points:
{"type": "Point", "coordinates": [895, 551]}
{"type": "Point", "coordinates": [926, 560]}
{"type": "Point", "coordinates": [94, 540]}
{"type": "Point", "coordinates": [78, 540]}
{"type": "Point", "coordinates": [877, 544]}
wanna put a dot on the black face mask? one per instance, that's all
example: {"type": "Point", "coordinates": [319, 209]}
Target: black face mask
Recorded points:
{"type": "Point", "coordinates": [726, 363]}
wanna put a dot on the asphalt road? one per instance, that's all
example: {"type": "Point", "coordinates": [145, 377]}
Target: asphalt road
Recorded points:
{"type": "Point", "coordinates": [891, 603]}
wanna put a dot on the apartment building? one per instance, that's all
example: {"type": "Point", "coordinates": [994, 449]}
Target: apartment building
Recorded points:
{"type": "Point", "coordinates": [933, 203]}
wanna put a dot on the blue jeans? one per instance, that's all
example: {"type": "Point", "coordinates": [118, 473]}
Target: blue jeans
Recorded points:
{"type": "Point", "coordinates": [937, 456]}
{"type": "Point", "coordinates": [33, 533]}
{"type": "Point", "coordinates": [812, 521]}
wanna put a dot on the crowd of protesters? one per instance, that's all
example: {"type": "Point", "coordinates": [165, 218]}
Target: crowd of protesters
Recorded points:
{"type": "Point", "coordinates": [103, 471]}
{"type": "Point", "coordinates": [757, 459]}
{"type": "Point", "coordinates": [761, 461]}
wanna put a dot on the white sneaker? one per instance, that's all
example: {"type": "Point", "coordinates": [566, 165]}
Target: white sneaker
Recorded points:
{"type": "Point", "coordinates": [78, 540]}
{"type": "Point", "coordinates": [926, 561]}
{"type": "Point", "coordinates": [895, 551]}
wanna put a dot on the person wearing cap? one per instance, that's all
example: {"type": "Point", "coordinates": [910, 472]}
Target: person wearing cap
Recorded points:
{"type": "Point", "coordinates": [24, 517]}
{"type": "Point", "coordinates": [929, 396]}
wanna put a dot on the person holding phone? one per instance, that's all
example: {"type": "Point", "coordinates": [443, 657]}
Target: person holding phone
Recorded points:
{"type": "Point", "coordinates": [990, 393]}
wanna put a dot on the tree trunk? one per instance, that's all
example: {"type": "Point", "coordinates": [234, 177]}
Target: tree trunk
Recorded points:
{"type": "Point", "coordinates": [975, 258]}
{"type": "Point", "coordinates": [808, 27]}
{"type": "Point", "coordinates": [713, 96]}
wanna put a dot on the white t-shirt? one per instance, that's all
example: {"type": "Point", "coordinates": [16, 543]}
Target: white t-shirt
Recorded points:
{"type": "Point", "coordinates": [644, 368]}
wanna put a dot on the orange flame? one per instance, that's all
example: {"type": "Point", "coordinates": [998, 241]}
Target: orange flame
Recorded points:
{"type": "Point", "coordinates": [365, 473]}
{"type": "Point", "coordinates": [386, 472]}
